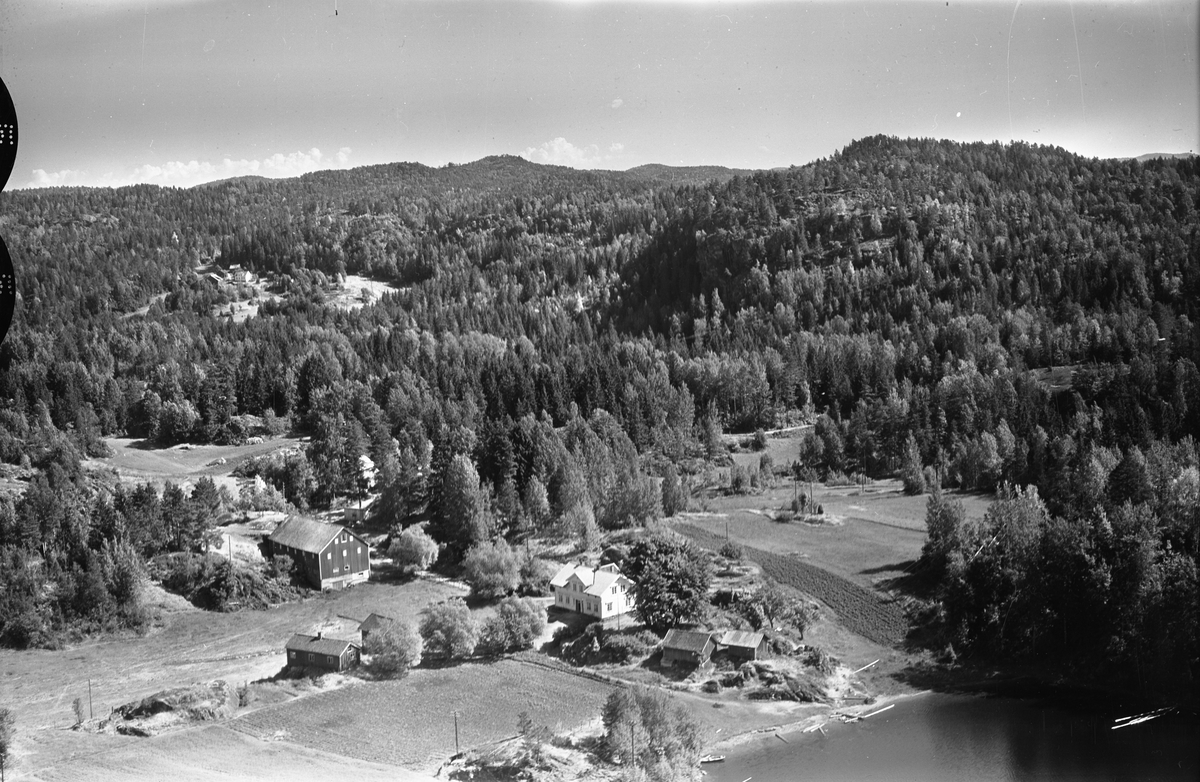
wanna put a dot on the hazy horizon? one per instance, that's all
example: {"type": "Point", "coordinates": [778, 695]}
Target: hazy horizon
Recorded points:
{"type": "Point", "coordinates": [114, 92]}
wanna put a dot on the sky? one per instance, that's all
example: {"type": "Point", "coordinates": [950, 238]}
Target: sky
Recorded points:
{"type": "Point", "coordinates": [178, 92]}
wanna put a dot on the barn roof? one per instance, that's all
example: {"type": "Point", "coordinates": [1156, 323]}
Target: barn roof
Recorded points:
{"type": "Point", "coordinates": [742, 639]}
{"type": "Point", "coordinates": [372, 622]}
{"type": "Point", "coordinates": [305, 534]}
{"type": "Point", "coordinates": [687, 640]}
{"type": "Point", "coordinates": [318, 645]}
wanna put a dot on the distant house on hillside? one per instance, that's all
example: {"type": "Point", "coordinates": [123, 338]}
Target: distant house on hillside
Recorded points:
{"type": "Point", "coordinates": [742, 645]}
{"type": "Point", "coordinates": [690, 647]}
{"type": "Point", "coordinates": [600, 592]}
{"type": "Point", "coordinates": [316, 651]}
{"type": "Point", "coordinates": [331, 556]}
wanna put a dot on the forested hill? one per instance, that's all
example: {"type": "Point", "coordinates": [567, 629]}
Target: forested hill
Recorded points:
{"type": "Point", "coordinates": [578, 331]}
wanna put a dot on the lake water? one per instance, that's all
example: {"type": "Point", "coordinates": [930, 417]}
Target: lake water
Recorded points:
{"type": "Point", "coordinates": [960, 737]}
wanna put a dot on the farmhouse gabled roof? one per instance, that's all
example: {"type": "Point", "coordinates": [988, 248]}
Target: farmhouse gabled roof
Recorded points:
{"type": "Point", "coordinates": [595, 582]}
{"type": "Point", "coordinates": [372, 623]}
{"type": "Point", "coordinates": [305, 534]}
{"type": "Point", "coordinates": [743, 639]}
{"type": "Point", "coordinates": [687, 640]}
{"type": "Point", "coordinates": [311, 643]}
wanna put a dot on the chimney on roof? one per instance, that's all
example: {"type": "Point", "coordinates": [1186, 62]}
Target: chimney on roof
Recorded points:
{"type": "Point", "coordinates": [318, 635]}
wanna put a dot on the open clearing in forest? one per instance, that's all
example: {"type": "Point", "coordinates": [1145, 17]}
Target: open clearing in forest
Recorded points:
{"type": "Point", "coordinates": [135, 461]}
{"type": "Point", "coordinates": [873, 536]}
{"type": "Point", "coordinates": [191, 646]}
{"type": "Point", "coordinates": [358, 291]}
{"type": "Point", "coordinates": [410, 721]}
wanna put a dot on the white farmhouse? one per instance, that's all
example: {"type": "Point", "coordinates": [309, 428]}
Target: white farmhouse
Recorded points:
{"type": "Point", "coordinates": [600, 592]}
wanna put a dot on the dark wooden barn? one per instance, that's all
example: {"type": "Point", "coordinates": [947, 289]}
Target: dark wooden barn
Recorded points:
{"type": "Point", "coordinates": [742, 645]}
{"type": "Point", "coordinates": [689, 647]}
{"type": "Point", "coordinates": [330, 555]}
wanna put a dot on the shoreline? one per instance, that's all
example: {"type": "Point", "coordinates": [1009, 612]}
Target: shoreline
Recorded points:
{"type": "Point", "coordinates": [827, 715]}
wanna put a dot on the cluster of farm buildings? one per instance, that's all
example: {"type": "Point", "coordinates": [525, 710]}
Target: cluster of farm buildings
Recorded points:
{"type": "Point", "coordinates": [332, 556]}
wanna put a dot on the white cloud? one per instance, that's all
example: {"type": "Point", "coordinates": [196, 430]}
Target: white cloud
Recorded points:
{"type": "Point", "coordinates": [616, 104]}
{"type": "Point", "coordinates": [561, 152]}
{"type": "Point", "coordinates": [194, 172]}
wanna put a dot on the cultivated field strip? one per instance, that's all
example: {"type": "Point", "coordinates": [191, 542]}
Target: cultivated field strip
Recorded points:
{"type": "Point", "coordinates": [859, 610]}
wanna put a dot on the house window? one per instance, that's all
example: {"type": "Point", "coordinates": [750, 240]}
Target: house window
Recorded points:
{"type": "Point", "coordinates": [360, 549]}
{"type": "Point", "coordinates": [312, 658]}
{"type": "Point", "coordinates": [328, 555]}
{"type": "Point", "coordinates": [292, 653]}
{"type": "Point", "coordinates": [608, 606]}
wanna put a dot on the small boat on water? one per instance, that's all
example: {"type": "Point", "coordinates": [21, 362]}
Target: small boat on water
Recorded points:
{"type": "Point", "coordinates": [712, 758]}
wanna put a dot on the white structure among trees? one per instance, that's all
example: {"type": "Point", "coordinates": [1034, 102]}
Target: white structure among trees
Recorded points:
{"type": "Point", "coordinates": [600, 592]}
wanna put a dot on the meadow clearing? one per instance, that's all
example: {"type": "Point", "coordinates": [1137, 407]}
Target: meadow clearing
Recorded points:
{"type": "Point", "coordinates": [410, 722]}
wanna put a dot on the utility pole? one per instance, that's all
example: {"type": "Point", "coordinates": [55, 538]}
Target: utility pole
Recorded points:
{"type": "Point", "coordinates": [456, 750]}
{"type": "Point", "coordinates": [90, 714]}
{"type": "Point", "coordinates": [632, 754]}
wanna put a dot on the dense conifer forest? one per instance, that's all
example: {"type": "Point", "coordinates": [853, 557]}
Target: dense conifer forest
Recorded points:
{"type": "Point", "coordinates": [556, 341]}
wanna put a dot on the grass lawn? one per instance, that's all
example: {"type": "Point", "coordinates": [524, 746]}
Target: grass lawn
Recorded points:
{"type": "Point", "coordinates": [410, 721]}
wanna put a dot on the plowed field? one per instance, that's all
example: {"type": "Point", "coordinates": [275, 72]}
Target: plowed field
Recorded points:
{"type": "Point", "coordinates": [859, 610]}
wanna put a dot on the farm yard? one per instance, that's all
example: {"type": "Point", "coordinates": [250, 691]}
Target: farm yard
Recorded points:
{"type": "Point", "coordinates": [410, 721]}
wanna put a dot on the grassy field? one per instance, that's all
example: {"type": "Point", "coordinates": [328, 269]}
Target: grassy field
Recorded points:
{"type": "Point", "coordinates": [871, 536]}
{"type": "Point", "coordinates": [191, 646]}
{"type": "Point", "coordinates": [410, 721]}
{"type": "Point", "coordinates": [136, 462]}
{"type": "Point", "coordinates": [213, 753]}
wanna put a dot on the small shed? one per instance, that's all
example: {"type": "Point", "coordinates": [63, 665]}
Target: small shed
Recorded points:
{"type": "Point", "coordinates": [316, 651]}
{"type": "Point", "coordinates": [371, 624]}
{"type": "Point", "coordinates": [743, 645]}
{"type": "Point", "coordinates": [357, 513]}
{"type": "Point", "coordinates": [690, 647]}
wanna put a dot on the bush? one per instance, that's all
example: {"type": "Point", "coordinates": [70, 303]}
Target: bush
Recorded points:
{"type": "Point", "coordinates": [535, 575]}
{"type": "Point", "coordinates": [394, 647]}
{"type": "Point", "coordinates": [733, 550]}
{"type": "Point", "coordinates": [280, 567]}
{"type": "Point", "coordinates": [413, 550]}
{"type": "Point", "coordinates": [492, 569]}
{"type": "Point", "coordinates": [517, 623]}
{"type": "Point", "coordinates": [759, 442]}
{"type": "Point", "coordinates": [739, 480]}
{"type": "Point", "coordinates": [448, 630]}
{"type": "Point", "coordinates": [622, 648]}
{"type": "Point", "coordinates": [838, 478]}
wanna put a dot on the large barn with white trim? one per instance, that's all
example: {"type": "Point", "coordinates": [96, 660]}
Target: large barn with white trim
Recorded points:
{"type": "Point", "coordinates": [330, 555]}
